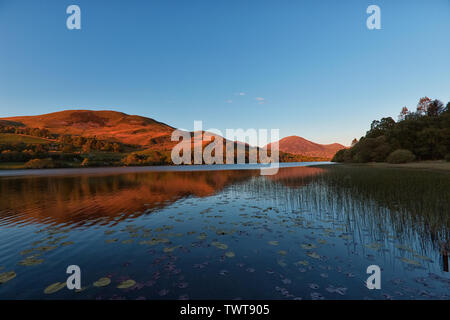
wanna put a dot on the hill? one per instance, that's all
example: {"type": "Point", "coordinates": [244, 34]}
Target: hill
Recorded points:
{"type": "Point", "coordinates": [300, 146]}
{"type": "Point", "coordinates": [109, 138]}
{"type": "Point", "coordinates": [104, 125]}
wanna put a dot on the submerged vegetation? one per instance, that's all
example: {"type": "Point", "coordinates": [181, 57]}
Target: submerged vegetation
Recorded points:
{"type": "Point", "coordinates": [425, 133]}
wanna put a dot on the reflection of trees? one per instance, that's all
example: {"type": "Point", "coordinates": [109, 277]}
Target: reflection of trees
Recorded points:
{"type": "Point", "coordinates": [100, 199]}
{"type": "Point", "coordinates": [406, 204]}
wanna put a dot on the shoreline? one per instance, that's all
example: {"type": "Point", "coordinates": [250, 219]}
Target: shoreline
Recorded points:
{"type": "Point", "coordinates": [137, 169]}
{"type": "Point", "coordinates": [429, 165]}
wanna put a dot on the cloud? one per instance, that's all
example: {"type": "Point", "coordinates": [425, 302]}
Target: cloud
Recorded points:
{"type": "Point", "coordinates": [259, 99]}
{"type": "Point", "coordinates": [229, 101]}
{"type": "Point", "coordinates": [242, 93]}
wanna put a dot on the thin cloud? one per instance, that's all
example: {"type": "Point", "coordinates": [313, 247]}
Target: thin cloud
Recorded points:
{"type": "Point", "coordinates": [229, 101]}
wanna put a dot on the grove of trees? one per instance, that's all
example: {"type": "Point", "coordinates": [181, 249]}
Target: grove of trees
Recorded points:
{"type": "Point", "coordinates": [425, 133]}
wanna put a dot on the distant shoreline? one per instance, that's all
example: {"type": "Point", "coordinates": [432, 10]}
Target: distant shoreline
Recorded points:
{"type": "Point", "coordinates": [436, 165]}
{"type": "Point", "coordinates": [143, 169]}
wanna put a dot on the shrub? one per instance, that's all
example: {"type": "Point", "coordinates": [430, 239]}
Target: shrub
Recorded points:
{"type": "Point", "coordinates": [447, 157]}
{"type": "Point", "coordinates": [85, 162]}
{"type": "Point", "coordinates": [39, 164]}
{"type": "Point", "coordinates": [401, 156]}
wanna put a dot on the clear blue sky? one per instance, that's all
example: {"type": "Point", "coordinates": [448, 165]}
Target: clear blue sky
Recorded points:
{"type": "Point", "coordinates": [322, 74]}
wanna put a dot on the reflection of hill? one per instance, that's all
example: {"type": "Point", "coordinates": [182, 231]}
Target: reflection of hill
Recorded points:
{"type": "Point", "coordinates": [101, 199]}
{"type": "Point", "coordinates": [296, 176]}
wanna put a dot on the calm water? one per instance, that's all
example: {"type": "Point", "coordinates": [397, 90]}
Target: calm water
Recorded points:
{"type": "Point", "coordinates": [305, 233]}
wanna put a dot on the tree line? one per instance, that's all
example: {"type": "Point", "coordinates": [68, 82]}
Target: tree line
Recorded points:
{"type": "Point", "coordinates": [423, 134]}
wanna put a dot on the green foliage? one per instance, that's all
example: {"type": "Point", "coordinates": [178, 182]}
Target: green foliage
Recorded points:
{"type": "Point", "coordinates": [10, 138]}
{"type": "Point", "coordinates": [425, 133]}
{"type": "Point", "coordinates": [401, 156]}
{"type": "Point", "coordinates": [39, 164]}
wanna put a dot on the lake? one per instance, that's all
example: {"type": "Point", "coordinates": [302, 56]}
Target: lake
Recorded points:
{"type": "Point", "coordinates": [202, 232]}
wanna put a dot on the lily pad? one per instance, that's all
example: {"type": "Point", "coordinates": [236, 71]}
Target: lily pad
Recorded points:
{"type": "Point", "coordinates": [308, 246]}
{"type": "Point", "coordinates": [302, 262]}
{"type": "Point", "coordinates": [26, 251]}
{"type": "Point", "coordinates": [411, 262]}
{"type": "Point", "coordinates": [273, 243]}
{"type": "Point", "coordinates": [126, 284]}
{"type": "Point", "coordinates": [46, 248]}
{"type": "Point", "coordinates": [219, 245]}
{"type": "Point", "coordinates": [282, 263]}
{"type": "Point", "coordinates": [313, 255]}
{"type": "Point", "coordinates": [31, 261]}
{"type": "Point", "coordinates": [374, 246]}
{"type": "Point", "coordinates": [170, 249]}
{"type": "Point", "coordinates": [54, 287]}
{"type": "Point", "coordinates": [230, 254]}
{"type": "Point", "coordinates": [282, 252]}
{"type": "Point", "coordinates": [418, 256]}
{"type": "Point", "coordinates": [102, 282]}
{"type": "Point", "coordinates": [6, 276]}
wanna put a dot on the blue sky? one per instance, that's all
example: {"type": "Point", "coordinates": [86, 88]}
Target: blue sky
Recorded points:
{"type": "Point", "coordinates": [322, 74]}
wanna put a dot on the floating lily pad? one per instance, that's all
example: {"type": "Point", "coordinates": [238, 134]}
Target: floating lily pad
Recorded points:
{"type": "Point", "coordinates": [6, 276]}
{"type": "Point", "coordinates": [171, 249]}
{"type": "Point", "coordinates": [111, 240]}
{"type": "Point", "coordinates": [202, 236]}
{"type": "Point", "coordinates": [374, 246]}
{"type": "Point", "coordinates": [282, 263]}
{"type": "Point", "coordinates": [67, 243]}
{"type": "Point", "coordinates": [308, 246]}
{"type": "Point", "coordinates": [26, 251]}
{"type": "Point", "coordinates": [46, 248]}
{"type": "Point", "coordinates": [313, 255]}
{"type": "Point", "coordinates": [219, 245]}
{"type": "Point", "coordinates": [54, 287]}
{"type": "Point", "coordinates": [321, 241]}
{"type": "Point", "coordinates": [302, 262]}
{"type": "Point", "coordinates": [126, 284]}
{"type": "Point", "coordinates": [102, 282]}
{"type": "Point", "coordinates": [31, 261]}
{"type": "Point", "coordinates": [282, 252]}
{"type": "Point", "coordinates": [402, 247]}
{"type": "Point", "coordinates": [273, 243]}
{"type": "Point", "coordinates": [418, 256]}
{"type": "Point", "coordinates": [409, 261]}
{"type": "Point", "coordinates": [128, 241]}
{"type": "Point", "coordinates": [155, 241]}
{"type": "Point", "coordinates": [230, 254]}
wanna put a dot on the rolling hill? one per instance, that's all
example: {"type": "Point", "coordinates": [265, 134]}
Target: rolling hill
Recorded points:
{"type": "Point", "coordinates": [107, 125]}
{"type": "Point", "coordinates": [301, 146]}
{"type": "Point", "coordinates": [116, 138]}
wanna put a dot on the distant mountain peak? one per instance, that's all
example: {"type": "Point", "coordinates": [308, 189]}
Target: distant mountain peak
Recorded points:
{"type": "Point", "coordinates": [302, 146]}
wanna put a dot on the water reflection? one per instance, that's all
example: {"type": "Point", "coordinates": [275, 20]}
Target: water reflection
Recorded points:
{"type": "Point", "coordinates": [307, 232]}
{"type": "Point", "coordinates": [79, 200]}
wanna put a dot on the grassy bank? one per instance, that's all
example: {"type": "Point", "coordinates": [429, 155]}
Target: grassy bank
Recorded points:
{"type": "Point", "coordinates": [438, 165]}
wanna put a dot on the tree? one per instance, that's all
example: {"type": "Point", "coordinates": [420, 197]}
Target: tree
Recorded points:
{"type": "Point", "coordinates": [422, 106]}
{"type": "Point", "coordinates": [403, 114]}
{"type": "Point", "coordinates": [435, 108]}
{"type": "Point", "coordinates": [354, 141]}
